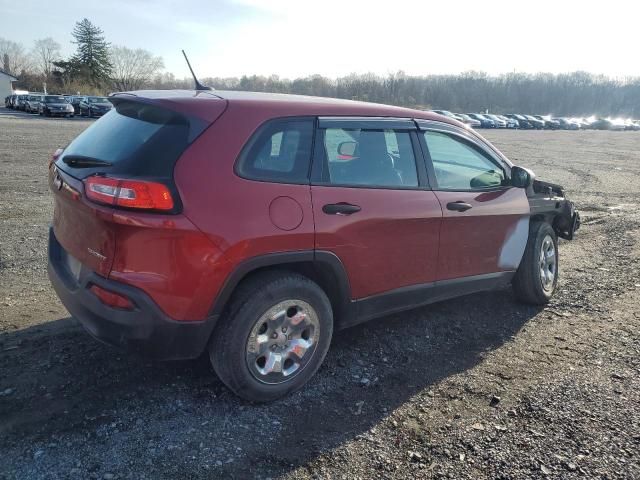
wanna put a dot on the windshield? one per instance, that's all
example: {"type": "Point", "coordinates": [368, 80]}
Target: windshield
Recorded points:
{"type": "Point", "coordinates": [34, 97]}
{"type": "Point", "coordinates": [98, 100]}
{"type": "Point", "coordinates": [54, 99]}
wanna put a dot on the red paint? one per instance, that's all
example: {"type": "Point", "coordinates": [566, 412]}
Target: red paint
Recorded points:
{"type": "Point", "coordinates": [81, 226]}
{"type": "Point", "coordinates": [471, 241]}
{"type": "Point", "coordinates": [391, 243]}
{"type": "Point", "coordinates": [286, 213]}
{"type": "Point", "coordinates": [182, 261]}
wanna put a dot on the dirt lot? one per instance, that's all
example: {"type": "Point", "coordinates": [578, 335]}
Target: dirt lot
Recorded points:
{"type": "Point", "coordinates": [481, 387]}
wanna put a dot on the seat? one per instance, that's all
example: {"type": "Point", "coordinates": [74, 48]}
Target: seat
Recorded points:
{"type": "Point", "coordinates": [373, 165]}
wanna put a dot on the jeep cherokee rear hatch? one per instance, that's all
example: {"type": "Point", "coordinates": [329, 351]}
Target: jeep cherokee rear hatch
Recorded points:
{"type": "Point", "coordinates": [122, 166]}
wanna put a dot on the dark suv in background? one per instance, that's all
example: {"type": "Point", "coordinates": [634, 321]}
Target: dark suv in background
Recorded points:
{"type": "Point", "coordinates": [255, 226]}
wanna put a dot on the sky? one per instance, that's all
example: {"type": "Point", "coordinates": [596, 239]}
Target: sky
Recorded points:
{"type": "Point", "coordinates": [293, 38]}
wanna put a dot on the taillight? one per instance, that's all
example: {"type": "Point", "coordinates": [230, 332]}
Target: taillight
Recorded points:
{"type": "Point", "coordinates": [128, 193]}
{"type": "Point", "coordinates": [55, 156]}
{"type": "Point", "coordinates": [112, 299]}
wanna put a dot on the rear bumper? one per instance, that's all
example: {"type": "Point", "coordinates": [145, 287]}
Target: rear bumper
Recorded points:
{"type": "Point", "coordinates": [145, 329]}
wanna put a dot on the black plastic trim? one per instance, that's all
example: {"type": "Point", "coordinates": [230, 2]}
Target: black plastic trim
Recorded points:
{"type": "Point", "coordinates": [367, 123]}
{"type": "Point", "coordinates": [348, 311]}
{"type": "Point", "coordinates": [281, 259]}
{"type": "Point", "coordinates": [145, 329]}
{"type": "Point", "coordinates": [414, 296]}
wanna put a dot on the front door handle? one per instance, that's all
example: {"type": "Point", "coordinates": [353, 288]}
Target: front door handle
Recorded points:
{"type": "Point", "coordinates": [341, 208]}
{"type": "Point", "coordinates": [458, 206]}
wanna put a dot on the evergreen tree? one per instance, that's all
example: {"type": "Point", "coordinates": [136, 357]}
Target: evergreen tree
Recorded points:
{"type": "Point", "coordinates": [92, 55]}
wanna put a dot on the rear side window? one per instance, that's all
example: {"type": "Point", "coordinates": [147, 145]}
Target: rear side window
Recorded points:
{"type": "Point", "coordinates": [375, 158]}
{"type": "Point", "coordinates": [280, 151]}
{"type": "Point", "coordinates": [133, 138]}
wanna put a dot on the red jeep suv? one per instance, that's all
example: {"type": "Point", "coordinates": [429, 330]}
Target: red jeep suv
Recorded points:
{"type": "Point", "coordinates": [253, 226]}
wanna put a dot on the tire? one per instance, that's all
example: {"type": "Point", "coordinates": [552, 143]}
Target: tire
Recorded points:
{"type": "Point", "coordinates": [530, 284]}
{"type": "Point", "coordinates": [267, 299]}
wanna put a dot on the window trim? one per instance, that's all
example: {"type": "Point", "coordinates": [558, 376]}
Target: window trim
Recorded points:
{"type": "Point", "coordinates": [256, 134]}
{"type": "Point", "coordinates": [375, 123]}
{"type": "Point", "coordinates": [319, 159]}
{"type": "Point", "coordinates": [468, 140]}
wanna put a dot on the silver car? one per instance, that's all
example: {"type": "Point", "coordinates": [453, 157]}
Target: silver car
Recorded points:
{"type": "Point", "coordinates": [32, 104]}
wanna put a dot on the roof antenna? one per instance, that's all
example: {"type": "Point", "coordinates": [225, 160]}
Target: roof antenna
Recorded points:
{"type": "Point", "coordinates": [199, 86]}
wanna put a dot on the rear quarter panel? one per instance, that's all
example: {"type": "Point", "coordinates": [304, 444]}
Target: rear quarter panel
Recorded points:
{"type": "Point", "coordinates": [234, 213]}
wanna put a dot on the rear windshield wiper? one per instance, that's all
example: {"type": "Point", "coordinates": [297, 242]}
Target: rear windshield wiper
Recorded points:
{"type": "Point", "coordinates": [80, 161]}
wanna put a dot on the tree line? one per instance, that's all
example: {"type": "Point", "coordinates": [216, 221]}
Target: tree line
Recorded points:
{"type": "Point", "coordinates": [566, 94]}
{"type": "Point", "coordinates": [99, 67]}
{"type": "Point", "coordinates": [96, 67]}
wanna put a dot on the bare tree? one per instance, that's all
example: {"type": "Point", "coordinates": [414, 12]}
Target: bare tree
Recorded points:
{"type": "Point", "coordinates": [133, 69]}
{"type": "Point", "coordinates": [46, 51]}
{"type": "Point", "coordinates": [15, 60]}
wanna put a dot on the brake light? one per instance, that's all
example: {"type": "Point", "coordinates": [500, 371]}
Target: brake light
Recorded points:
{"type": "Point", "coordinates": [55, 156]}
{"type": "Point", "coordinates": [129, 193]}
{"type": "Point", "coordinates": [112, 299]}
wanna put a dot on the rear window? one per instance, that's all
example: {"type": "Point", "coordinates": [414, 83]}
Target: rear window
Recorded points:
{"type": "Point", "coordinates": [134, 139]}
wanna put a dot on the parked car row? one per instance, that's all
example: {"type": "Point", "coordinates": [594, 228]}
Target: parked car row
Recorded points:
{"type": "Point", "coordinates": [59, 105]}
{"type": "Point", "coordinates": [540, 122]}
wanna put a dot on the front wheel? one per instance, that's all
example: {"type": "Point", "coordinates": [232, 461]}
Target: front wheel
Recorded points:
{"type": "Point", "coordinates": [537, 276]}
{"type": "Point", "coordinates": [273, 337]}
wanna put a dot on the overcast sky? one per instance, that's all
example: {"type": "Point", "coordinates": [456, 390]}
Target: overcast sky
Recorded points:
{"type": "Point", "coordinates": [336, 37]}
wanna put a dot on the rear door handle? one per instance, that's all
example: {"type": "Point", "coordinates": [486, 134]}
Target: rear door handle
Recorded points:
{"type": "Point", "coordinates": [458, 206]}
{"type": "Point", "coordinates": [341, 208]}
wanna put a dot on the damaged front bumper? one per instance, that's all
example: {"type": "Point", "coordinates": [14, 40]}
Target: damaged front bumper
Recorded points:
{"type": "Point", "coordinates": [548, 200]}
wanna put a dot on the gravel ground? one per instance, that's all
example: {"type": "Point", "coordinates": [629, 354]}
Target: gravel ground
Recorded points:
{"type": "Point", "coordinates": [480, 387]}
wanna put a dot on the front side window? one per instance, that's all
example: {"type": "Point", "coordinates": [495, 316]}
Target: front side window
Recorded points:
{"type": "Point", "coordinates": [376, 158]}
{"type": "Point", "coordinates": [459, 165]}
{"type": "Point", "coordinates": [280, 151]}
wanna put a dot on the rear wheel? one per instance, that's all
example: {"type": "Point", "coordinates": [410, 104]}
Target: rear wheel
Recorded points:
{"type": "Point", "coordinates": [273, 337]}
{"type": "Point", "coordinates": [537, 276]}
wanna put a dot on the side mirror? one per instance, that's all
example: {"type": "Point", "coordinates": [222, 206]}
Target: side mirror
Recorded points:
{"type": "Point", "coordinates": [347, 149]}
{"type": "Point", "coordinates": [521, 177]}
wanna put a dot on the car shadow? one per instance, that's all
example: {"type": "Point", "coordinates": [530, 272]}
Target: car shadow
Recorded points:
{"type": "Point", "coordinates": [64, 379]}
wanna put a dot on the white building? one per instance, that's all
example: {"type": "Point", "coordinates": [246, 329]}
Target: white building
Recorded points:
{"type": "Point", "coordinates": [6, 87]}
